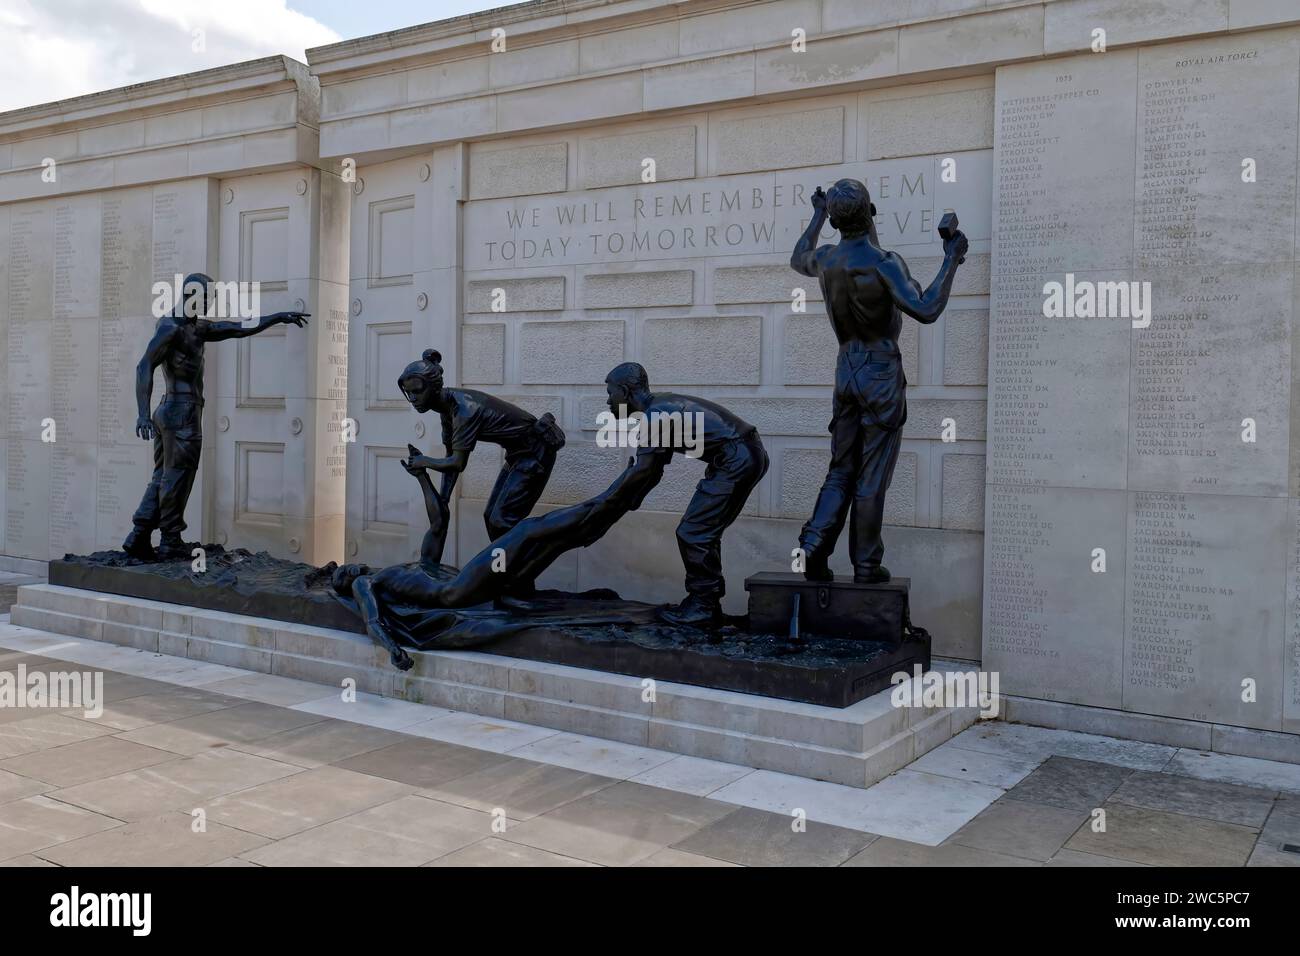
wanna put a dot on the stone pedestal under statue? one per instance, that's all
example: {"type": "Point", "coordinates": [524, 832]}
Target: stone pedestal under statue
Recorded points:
{"type": "Point", "coordinates": [596, 629]}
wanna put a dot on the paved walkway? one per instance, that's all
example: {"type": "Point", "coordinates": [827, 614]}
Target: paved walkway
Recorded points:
{"type": "Point", "coordinates": [201, 764]}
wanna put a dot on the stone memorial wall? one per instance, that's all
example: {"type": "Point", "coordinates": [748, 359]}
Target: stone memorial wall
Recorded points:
{"type": "Point", "coordinates": [1160, 436]}
{"type": "Point", "coordinates": [77, 295]}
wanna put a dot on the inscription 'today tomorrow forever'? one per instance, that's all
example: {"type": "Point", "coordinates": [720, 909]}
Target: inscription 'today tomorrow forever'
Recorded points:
{"type": "Point", "coordinates": [733, 215]}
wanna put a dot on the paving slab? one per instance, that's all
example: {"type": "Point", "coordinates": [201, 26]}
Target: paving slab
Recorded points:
{"type": "Point", "coordinates": [752, 837]}
{"type": "Point", "coordinates": [1247, 771]}
{"type": "Point", "coordinates": [372, 710]}
{"type": "Point", "coordinates": [172, 703]}
{"type": "Point", "coordinates": [15, 786]}
{"type": "Point", "coordinates": [423, 763]}
{"type": "Point", "coordinates": [1029, 830]}
{"type": "Point", "coordinates": [270, 689]}
{"type": "Point", "coordinates": [36, 822]}
{"type": "Point", "coordinates": [675, 858]}
{"type": "Point", "coordinates": [494, 852]}
{"type": "Point", "coordinates": [1070, 783]}
{"type": "Point", "coordinates": [181, 784]}
{"type": "Point", "coordinates": [327, 741]}
{"type": "Point", "coordinates": [522, 789]}
{"type": "Point", "coordinates": [44, 732]}
{"type": "Point", "coordinates": [165, 840]}
{"type": "Point", "coordinates": [244, 723]}
{"type": "Point", "coordinates": [409, 831]}
{"type": "Point", "coordinates": [483, 733]}
{"type": "Point", "coordinates": [292, 804]}
{"type": "Point", "coordinates": [620, 825]}
{"type": "Point", "coordinates": [693, 775]}
{"type": "Point", "coordinates": [890, 852]}
{"type": "Point", "coordinates": [995, 770]}
{"type": "Point", "coordinates": [1022, 741]}
{"type": "Point", "coordinates": [1165, 839]}
{"type": "Point", "coordinates": [608, 758]}
{"type": "Point", "coordinates": [1075, 858]}
{"type": "Point", "coordinates": [84, 761]}
{"type": "Point", "coordinates": [1212, 799]}
{"type": "Point", "coordinates": [920, 807]}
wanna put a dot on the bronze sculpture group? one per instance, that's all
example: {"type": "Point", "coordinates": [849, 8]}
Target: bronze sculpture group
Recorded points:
{"type": "Point", "coordinates": [866, 290]}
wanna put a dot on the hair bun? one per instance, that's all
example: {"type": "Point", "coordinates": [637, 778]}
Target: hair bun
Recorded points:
{"type": "Point", "coordinates": [432, 355]}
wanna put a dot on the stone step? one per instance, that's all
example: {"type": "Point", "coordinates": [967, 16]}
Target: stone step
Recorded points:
{"type": "Point", "coordinates": [856, 745]}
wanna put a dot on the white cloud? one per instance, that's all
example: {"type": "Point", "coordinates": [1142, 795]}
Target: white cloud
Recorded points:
{"type": "Point", "coordinates": [54, 49]}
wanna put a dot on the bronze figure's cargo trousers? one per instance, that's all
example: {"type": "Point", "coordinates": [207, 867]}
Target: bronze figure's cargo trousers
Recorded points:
{"type": "Point", "coordinates": [717, 502]}
{"type": "Point", "coordinates": [177, 443]}
{"type": "Point", "coordinates": [866, 429]}
{"type": "Point", "coordinates": [523, 478]}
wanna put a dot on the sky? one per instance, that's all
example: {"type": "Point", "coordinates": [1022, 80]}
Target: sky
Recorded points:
{"type": "Point", "coordinates": [54, 49]}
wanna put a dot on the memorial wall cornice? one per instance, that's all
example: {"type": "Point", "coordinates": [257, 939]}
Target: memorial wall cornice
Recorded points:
{"type": "Point", "coordinates": [571, 64]}
{"type": "Point", "coordinates": [253, 116]}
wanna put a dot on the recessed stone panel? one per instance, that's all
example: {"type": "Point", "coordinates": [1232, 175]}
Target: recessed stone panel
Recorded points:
{"type": "Point", "coordinates": [775, 283]}
{"type": "Point", "coordinates": [912, 126]}
{"type": "Point", "coordinates": [583, 469]}
{"type": "Point", "coordinates": [569, 353]}
{"type": "Point", "coordinates": [482, 354]}
{"type": "Point", "coordinates": [391, 232]}
{"type": "Point", "coordinates": [721, 350]}
{"type": "Point", "coordinates": [519, 171]}
{"type": "Point", "coordinates": [386, 491]}
{"type": "Point", "coordinates": [804, 469]}
{"type": "Point", "coordinates": [962, 500]}
{"type": "Point", "coordinates": [810, 350]}
{"type": "Point", "coordinates": [965, 346]}
{"type": "Point", "coordinates": [783, 416]}
{"type": "Point", "coordinates": [389, 349]}
{"type": "Point", "coordinates": [530, 294]}
{"type": "Point", "coordinates": [929, 418]}
{"type": "Point", "coordinates": [972, 277]}
{"type": "Point", "coordinates": [259, 482]}
{"type": "Point", "coordinates": [620, 160]}
{"type": "Point", "coordinates": [641, 289]}
{"type": "Point", "coordinates": [779, 140]}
